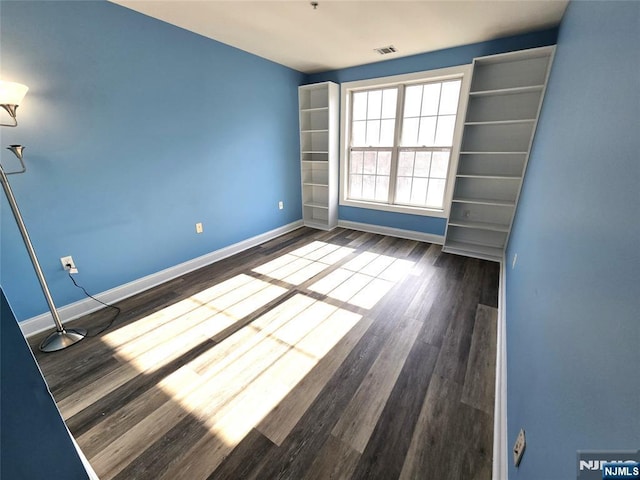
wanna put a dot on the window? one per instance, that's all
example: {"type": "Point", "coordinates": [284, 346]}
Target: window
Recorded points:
{"type": "Point", "coordinates": [400, 136]}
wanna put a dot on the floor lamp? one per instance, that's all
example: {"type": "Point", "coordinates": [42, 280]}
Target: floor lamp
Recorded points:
{"type": "Point", "coordinates": [11, 94]}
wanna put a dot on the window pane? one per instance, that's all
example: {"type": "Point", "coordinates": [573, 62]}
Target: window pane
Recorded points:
{"type": "Point", "coordinates": [439, 164]}
{"type": "Point", "coordinates": [355, 186]}
{"type": "Point", "coordinates": [423, 162]}
{"type": "Point", "coordinates": [410, 131]}
{"type": "Point", "coordinates": [374, 104]}
{"type": "Point", "coordinates": [369, 162]}
{"type": "Point", "coordinates": [412, 101]}
{"type": "Point", "coordinates": [430, 99]}
{"type": "Point", "coordinates": [389, 103]}
{"type": "Point", "coordinates": [419, 191]}
{"type": "Point", "coordinates": [356, 162]}
{"type": "Point", "coordinates": [427, 131]}
{"type": "Point", "coordinates": [403, 190]}
{"type": "Point", "coordinates": [435, 196]}
{"type": "Point", "coordinates": [358, 133]}
{"type": "Point", "coordinates": [449, 99]}
{"type": "Point", "coordinates": [382, 189]}
{"type": "Point", "coordinates": [373, 132]}
{"type": "Point", "coordinates": [368, 187]}
{"type": "Point", "coordinates": [359, 105]}
{"type": "Point", "coordinates": [405, 164]}
{"type": "Point", "coordinates": [387, 128]}
{"type": "Point", "coordinates": [384, 163]}
{"type": "Point", "coordinates": [444, 135]}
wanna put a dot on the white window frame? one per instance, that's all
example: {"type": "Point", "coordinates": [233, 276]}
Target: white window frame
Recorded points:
{"type": "Point", "coordinates": [462, 72]}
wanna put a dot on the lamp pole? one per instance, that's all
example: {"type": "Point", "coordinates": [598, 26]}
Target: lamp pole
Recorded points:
{"type": "Point", "coordinates": [61, 338]}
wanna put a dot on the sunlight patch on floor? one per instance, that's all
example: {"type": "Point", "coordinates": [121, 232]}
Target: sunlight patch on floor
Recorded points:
{"type": "Point", "coordinates": [364, 280]}
{"type": "Point", "coordinates": [304, 263]}
{"type": "Point", "coordinates": [143, 326]}
{"type": "Point", "coordinates": [237, 389]}
{"type": "Point", "coordinates": [193, 322]}
{"type": "Point", "coordinates": [233, 385]}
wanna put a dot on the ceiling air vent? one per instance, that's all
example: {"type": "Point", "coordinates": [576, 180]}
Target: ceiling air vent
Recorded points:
{"type": "Point", "coordinates": [386, 50]}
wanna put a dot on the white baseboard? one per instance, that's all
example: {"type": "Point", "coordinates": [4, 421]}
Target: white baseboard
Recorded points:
{"type": "Point", "coordinates": [77, 309]}
{"type": "Point", "coordinates": [393, 232]}
{"type": "Point", "coordinates": [500, 441]}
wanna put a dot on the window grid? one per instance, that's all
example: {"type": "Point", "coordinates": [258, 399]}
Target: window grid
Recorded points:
{"type": "Point", "coordinates": [369, 174]}
{"type": "Point", "coordinates": [423, 190]}
{"type": "Point", "coordinates": [372, 126]}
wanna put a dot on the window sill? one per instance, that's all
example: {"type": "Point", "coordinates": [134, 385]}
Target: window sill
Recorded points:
{"type": "Point", "coordinates": [426, 212]}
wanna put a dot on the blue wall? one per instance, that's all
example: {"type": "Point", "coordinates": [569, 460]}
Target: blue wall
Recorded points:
{"type": "Point", "coordinates": [573, 299]}
{"type": "Point", "coordinates": [35, 442]}
{"type": "Point", "coordinates": [136, 130]}
{"type": "Point", "coordinates": [418, 63]}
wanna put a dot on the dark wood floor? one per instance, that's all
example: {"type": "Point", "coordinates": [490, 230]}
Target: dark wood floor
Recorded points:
{"type": "Point", "coordinates": [317, 355]}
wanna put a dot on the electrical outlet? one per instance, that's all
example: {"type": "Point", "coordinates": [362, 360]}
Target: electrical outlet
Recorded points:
{"type": "Point", "coordinates": [513, 263]}
{"type": "Point", "coordinates": [518, 448]}
{"type": "Point", "coordinates": [68, 264]}
{"type": "Point", "coordinates": [199, 227]}
{"type": "Point", "coordinates": [280, 204]}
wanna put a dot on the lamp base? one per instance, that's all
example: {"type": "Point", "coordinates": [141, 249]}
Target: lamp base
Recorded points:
{"type": "Point", "coordinates": [60, 340]}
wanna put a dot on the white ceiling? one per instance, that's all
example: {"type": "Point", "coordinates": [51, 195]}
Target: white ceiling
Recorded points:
{"type": "Point", "coordinates": [344, 33]}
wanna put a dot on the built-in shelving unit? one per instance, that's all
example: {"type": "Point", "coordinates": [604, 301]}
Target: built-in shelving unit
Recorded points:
{"type": "Point", "coordinates": [318, 105]}
{"type": "Point", "coordinates": [502, 113]}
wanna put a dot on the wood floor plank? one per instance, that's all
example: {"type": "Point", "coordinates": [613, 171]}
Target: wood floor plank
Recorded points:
{"type": "Point", "coordinates": [479, 381]}
{"type": "Point", "coordinates": [242, 461]}
{"type": "Point", "coordinates": [283, 418]}
{"type": "Point", "coordinates": [111, 403]}
{"type": "Point", "coordinates": [243, 369]}
{"type": "Point", "coordinates": [110, 460]}
{"type": "Point", "coordinates": [121, 421]}
{"type": "Point", "coordinates": [336, 461]}
{"type": "Point", "coordinates": [361, 415]}
{"type": "Point", "coordinates": [428, 448]}
{"type": "Point", "coordinates": [386, 450]}
{"type": "Point", "coordinates": [297, 452]}
{"type": "Point", "coordinates": [174, 443]}
{"type": "Point", "coordinates": [454, 352]}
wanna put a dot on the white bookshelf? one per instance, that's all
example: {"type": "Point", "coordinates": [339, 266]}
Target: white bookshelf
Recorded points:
{"type": "Point", "coordinates": [318, 104]}
{"type": "Point", "coordinates": [502, 113]}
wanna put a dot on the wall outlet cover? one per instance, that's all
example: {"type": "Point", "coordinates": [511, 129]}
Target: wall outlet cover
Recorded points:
{"type": "Point", "coordinates": [518, 448]}
{"type": "Point", "coordinates": [68, 263]}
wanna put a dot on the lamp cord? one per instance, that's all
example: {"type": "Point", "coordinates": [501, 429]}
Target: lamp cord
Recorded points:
{"type": "Point", "coordinates": [108, 325]}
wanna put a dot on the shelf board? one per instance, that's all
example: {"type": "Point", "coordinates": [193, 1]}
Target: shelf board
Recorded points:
{"type": "Point", "coordinates": [315, 109]}
{"type": "Point", "coordinates": [322, 225]}
{"type": "Point", "coordinates": [492, 153]}
{"type": "Point", "coordinates": [486, 252]}
{"type": "Point", "coordinates": [507, 91]}
{"type": "Point", "coordinates": [316, 151]}
{"type": "Point", "coordinates": [318, 130]}
{"type": "Point", "coordinates": [502, 122]}
{"type": "Point", "coordinates": [490, 177]}
{"type": "Point", "coordinates": [486, 201]}
{"type": "Point", "coordinates": [316, 205]}
{"type": "Point", "coordinates": [309, 184]}
{"type": "Point", "coordinates": [325, 162]}
{"type": "Point", "coordinates": [494, 227]}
